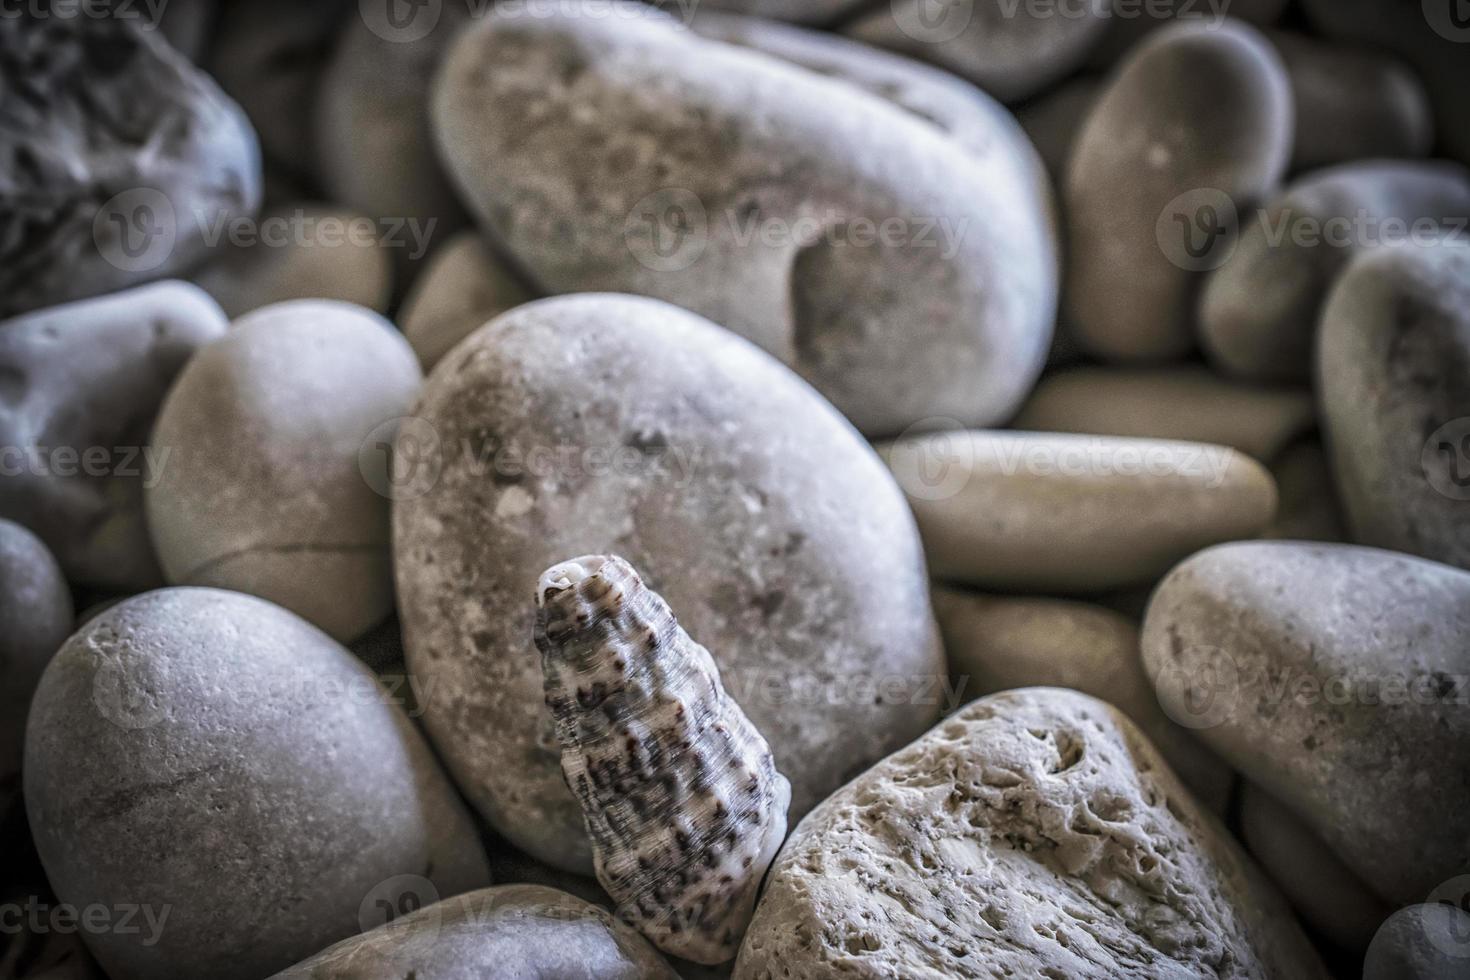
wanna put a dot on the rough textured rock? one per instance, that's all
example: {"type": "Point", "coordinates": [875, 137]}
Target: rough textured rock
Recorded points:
{"type": "Point", "coordinates": [618, 153]}
{"type": "Point", "coordinates": [269, 56]}
{"type": "Point", "coordinates": [1430, 36]}
{"type": "Point", "coordinates": [1196, 120]}
{"type": "Point", "coordinates": [1259, 311]}
{"type": "Point", "coordinates": [595, 423]}
{"type": "Point", "coordinates": [463, 287]}
{"type": "Point", "coordinates": [1335, 677]}
{"type": "Point", "coordinates": [82, 386]}
{"type": "Point", "coordinates": [1036, 833]}
{"type": "Point", "coordinates": [1040, 512]}
{"type": "Point", "coordinates": [1309, 508]}
{"type": "Point", "coordinates": [510, 932]}
{"type": "Point", "coordinates": [681, 797]}
{"type": "Point", "coordinates": [374, 146]}
{"type": "Point", "coordinates": [276, 481]}
{"type": "Point", "coordinates": [998, 643]}
{"type": "Point", "coordinates": [1421, 942]}
{"type": "Point", "coordinates": [1328, 896]}
{"type": "Point", "coordinates": [210, 754]}
{"type": "Point", "coordinates": [35, 619]}
{"type": "Point", "coordinates": [1393, 370]}
{"type": "Point", "coordinates": [304, 250]}
{"type": "Point", "coordinates": [1010, 50]}
{"type": "Point", "coordinates": [1352, 103]}
{"type": "Point", "coordinates": [119, 157]}
{"type": "Point", "coordinates": [1186, 403]}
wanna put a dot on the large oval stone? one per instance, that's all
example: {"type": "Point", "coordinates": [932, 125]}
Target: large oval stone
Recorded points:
{"type": "Point", "coordinates": [613, 424]}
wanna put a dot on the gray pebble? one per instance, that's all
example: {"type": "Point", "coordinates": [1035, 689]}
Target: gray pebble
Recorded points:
{"type": "Point", "coordinates": [463, 287]}
{"type": "Point", "coordinates": [1421, 942]}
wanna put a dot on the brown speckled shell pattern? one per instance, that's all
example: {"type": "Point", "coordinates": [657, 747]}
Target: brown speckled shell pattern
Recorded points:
{"type": "Point", "coordinates": [681, 795]}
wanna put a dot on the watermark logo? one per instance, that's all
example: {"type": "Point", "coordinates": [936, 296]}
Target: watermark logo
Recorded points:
{"type": "Point", "coordinates": [402, 458]}
{"type": "Point", "coordinates": [39, 917]}
{"type": "Point", "coordinates": [401, 21]}
{"type": "Point", "coordinates": [1446, 459]}
{"type": "Point", "coordinates": [668, 230]}
{"type": "Point", "coordinates": [1198, 230]}
{"type": "Point", "coordinates": [1449, 932]}
{"type": "Point", "coordinates": [390, 901]}
{"type": "Point", "coordinates": [1202, 696]}
{"type": "Point", "coordinates": [933, 459]}
{"type": "Point", "coordinates": [1450, 19]}
{"type": "Point", "coordinates": [932, 21]}
{"type": "Point", "coordinates": [136, 231]}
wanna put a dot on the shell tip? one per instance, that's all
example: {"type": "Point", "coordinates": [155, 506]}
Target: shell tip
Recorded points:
{"type": "Point", "coordinates": [567, 574]}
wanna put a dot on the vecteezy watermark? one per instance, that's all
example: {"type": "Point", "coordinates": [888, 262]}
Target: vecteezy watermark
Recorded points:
{"type": "Point", "coordinates": [404, 458]}
{"type": "Point", "coordinates": [145, 462]}
{"type": "Point", "coordinates": [936, 460]}
{"type": "Point", "coordinates": [1446, 459]}
{"type": "Point", "coordinates": [139, 230]}
{"type": "Point", "coordinates": [389, 901]}
{"type": "Point", "coordinates": [147, 11]}
{"type": "Point", "coordinates": [670, 230]}
{"type": "Point", "coordinates": [39, 917]}
{"type": "Point", "coordinates": [407, 21]}
{"type": "Point", "coordinates": [1450, 932]}
{"type": "Point", "coordinates": [1450, 19]}
{"type": "Point", "coordinates": [1208, 688]}
{"type": "Point", "coordinates": [1198, 231]}
{"type": "Point", "coordinates": [940, 21]}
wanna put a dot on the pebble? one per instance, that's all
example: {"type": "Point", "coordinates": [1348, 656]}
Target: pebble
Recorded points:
{"type": "Point", "coordinates": [997, 643]}
{"type": "Point", "coordinates": [269, 56]}
{"type": "Point", "coordinates": [238, 777]}
{"type": "Point", "coordinates": [35, 619]}
{"type": "Point", "coordinates": [1328, 897]}
{"type": "Point", "coordinates": [121, 155]}
{"type": "Point", "coordinates": [1352, 103]}
{"type": "Point", "coordinates": [373, 144]}
{"type": "Point", "coordinates": [510, 932]}
{"type": "Point", "coordinates": [1259, 311]}
{"type": "Point", "coordinates": [276, 480]}
{"type": "Point", "coordinates": [1429, 36]}
{"type": "Point", "coordinates": [1037, 512]}
{"type": "Point", "coordinates": [463, 286]}
{"type": "Point", "coordinates": [1035, 833]}
{"type": "Point", "coordinates": [1133, 23]}
{"type": "Point", "coordinates": [1421, 942]}
{"type": "Point", "coordinates": [80, 387]}
{"type": "Point", "coordinates": [1393, 370]}
{"type": "Point", "coordinates": [745, 189]}
{"type": "Point", "coordinates": [1150, 181]}
{"type": "Point", "coordinates": [595, 423]}
{"type": "Point", "coordinates": [305, 250]}
{"type": "Point", "coordinates": [1011, 51]}
{"type": "Point", "coordinates": [1186, 403]}
{"type": "Point", "coordinates": [1336, 677]}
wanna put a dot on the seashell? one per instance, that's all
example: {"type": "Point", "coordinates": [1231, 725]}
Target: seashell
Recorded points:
{"type": "Point", "coordinates": [681, 796]}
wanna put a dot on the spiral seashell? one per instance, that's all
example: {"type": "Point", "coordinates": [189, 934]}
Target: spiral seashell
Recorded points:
{"type": "Point", "coordinates": [680, 793]}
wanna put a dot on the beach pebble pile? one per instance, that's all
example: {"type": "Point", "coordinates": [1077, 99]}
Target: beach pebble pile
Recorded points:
{"type": "Point", "coordinates": [1019, 454]}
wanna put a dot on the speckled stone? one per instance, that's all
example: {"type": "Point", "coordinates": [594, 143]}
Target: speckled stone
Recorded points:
{"type": "Point", "coordinates": [1421, 942]}
{"type": "Point", "coordinates": [619, 153]}
{"type": "Point", "coordinates": [1036, 833]}
{"type": "Point", "coordinates": [1393, 369]}
{"type": "Point", "coordinates": [209, 754]}
{"type": "Point", "coordinates": [998, 643]}
{"type": "Point", "coordinates": [82, 384]}
{"type": "Point", "coordinates": [463, 286]}
{"type": "Point", "coordinates": [121, 156]}
{"type": "Point", "coordinates": [1037, 512]}
{"type": "Point", "coordinates": [510, 932]}
{"type": "Point", "coordinates": [1186, 403]}
{"type": "Point", "coordinates": [1011, 51]}
{"type": "Point", "coordinates": [275, 483]}
{"type": "Point", "coordinates": [1337, 678]}
{"type": "Point", "coordinates": [1259, 311]}
{"type": "Point", "coordinates": [1328, 896]}
{"type": "Point", "coordinates": [595, 423]}
{"type": "Point", "coordinates": [306, 250]}
{"type": "Point", "coordinates": [35, 619]}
